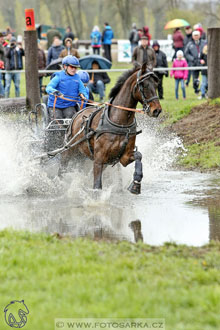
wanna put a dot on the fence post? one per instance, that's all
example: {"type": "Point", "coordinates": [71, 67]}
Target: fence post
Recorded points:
{"type": "Point", "coordinates": [31, 62]}
{"type": "Point", "coordinates": [213, 62]}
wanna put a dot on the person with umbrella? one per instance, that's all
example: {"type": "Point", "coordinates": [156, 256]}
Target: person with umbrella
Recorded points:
{"type": "Point", "coordinates": [178, 38]}
{"type": "Point", "coordinates": [65, 84]}
{"type": "Point", "coordinates": [97, 81]}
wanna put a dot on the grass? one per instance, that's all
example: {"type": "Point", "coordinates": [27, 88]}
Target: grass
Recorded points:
{"type": "Point", "coordinates": [82, 278]}
{"type": "Point", "coordinates": [204, 155]}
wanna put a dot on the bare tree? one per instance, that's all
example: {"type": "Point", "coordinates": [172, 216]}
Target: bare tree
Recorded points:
{"type": "Point", "coordinates": [124, 9]}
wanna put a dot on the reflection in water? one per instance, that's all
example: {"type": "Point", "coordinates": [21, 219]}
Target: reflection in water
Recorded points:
{"type": "Point", "coordinates": [214, 220]}
{"type": "Point", "coordinates": [136, 227]}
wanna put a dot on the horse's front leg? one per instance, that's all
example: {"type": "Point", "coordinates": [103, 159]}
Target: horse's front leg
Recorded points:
{"type": "Point", "coordinates": [97, 171]}
{"type": "Point", "coordinates": [135, 186]}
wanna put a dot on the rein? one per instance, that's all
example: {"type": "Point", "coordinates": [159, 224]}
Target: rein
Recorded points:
{"type": "Point", "coordinates": [139, 84]}
{"type": "Point", "coordinates": [96, 103]}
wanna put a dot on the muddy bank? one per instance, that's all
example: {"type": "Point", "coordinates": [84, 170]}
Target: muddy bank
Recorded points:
{"type": "Point", "coordinates": [202, 125]}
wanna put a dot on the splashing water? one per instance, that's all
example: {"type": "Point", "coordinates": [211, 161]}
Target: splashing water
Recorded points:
{"type": "Point", "coordinates": [20, 174]}
{"type": "Point", "coordinates": [34, 198]}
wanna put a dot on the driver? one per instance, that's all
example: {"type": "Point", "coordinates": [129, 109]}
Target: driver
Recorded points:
{"type": "Point", "coordinates": [67, 84]}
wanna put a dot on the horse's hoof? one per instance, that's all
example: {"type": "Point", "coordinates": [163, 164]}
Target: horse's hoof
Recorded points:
{"type": "Point", "coordinates": [135, 188]}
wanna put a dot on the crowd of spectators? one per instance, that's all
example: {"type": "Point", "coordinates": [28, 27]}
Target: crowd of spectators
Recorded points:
{"type": "Point", "coordinates": [192, 52]}
{"type": "Point", "coordinates": [190, 48]}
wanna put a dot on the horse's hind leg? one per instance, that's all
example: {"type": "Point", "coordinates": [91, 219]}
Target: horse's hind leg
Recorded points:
{"type": "Point", "coordinates": [97, 171]}
{"type": "Point", "coordinates": [135, 186]}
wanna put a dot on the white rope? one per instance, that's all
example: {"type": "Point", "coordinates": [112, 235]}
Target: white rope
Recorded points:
{"type": "Point", "coordinates": [191, 68]}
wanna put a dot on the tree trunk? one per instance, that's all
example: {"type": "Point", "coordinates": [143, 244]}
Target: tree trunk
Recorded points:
{"type": "Point", "coordinates": [31, 69]}
{"type": "Point", "coordinates": [124, 10]}
{"type": "Point", "coordinates": [213, 62]}
{"type": "Point", "coordinates": [79, 16]}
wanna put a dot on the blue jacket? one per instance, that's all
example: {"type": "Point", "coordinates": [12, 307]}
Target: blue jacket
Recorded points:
{"type": "Point", "coordinates": [95, 38]}
{"type": "Point", "coordinates": [87, 97]}
{"type": "Point", "coordinates": [107, 35]}
{"type": "Point", "coordinates": [69, 86]}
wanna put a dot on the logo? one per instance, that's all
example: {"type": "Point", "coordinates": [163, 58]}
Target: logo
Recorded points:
{"type": "Point", "coordinates": [15, 314]}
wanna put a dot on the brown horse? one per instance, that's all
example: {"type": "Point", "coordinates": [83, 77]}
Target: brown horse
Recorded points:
{"type": "Point", "coordinates": [107, 134]}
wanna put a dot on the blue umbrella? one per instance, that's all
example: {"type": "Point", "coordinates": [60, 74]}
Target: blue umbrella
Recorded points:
{"type": "Point", "coordinates": [86, 62]}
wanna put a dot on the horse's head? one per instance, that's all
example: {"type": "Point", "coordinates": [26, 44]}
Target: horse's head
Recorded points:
{"type": "Point", "coordinates": [145, 91]}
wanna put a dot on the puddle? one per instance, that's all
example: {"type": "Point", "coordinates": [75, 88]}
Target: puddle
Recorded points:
{"type": "Point", "coordinates": [175, 206]}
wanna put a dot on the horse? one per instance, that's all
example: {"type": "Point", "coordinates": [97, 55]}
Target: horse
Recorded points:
{"type": "Point", "coordinates": [107, 134]}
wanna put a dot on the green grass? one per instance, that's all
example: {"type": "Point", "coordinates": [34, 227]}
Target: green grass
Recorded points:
{"type": "Point", "coordinates": [83, 278]}
{"type": "Point", "coordinates": [204, 155]}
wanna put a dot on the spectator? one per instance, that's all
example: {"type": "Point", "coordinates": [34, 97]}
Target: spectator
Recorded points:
{"type": "Point", "coordinates": [107, 37]}
{"type": "Point", "coordinates": [4, 44]}
{"type": "Point", "coordinates": [179, 75]}
{"type": "Point", "coordinates": [192, 53]}
{"type": "Point", "coordinates": [161, 62]}
{"type": "Point", "coordinates": [8, 37]}
{"type": "Point", "coordinates": [144, 53]}
{"type": "Point", "coordinates": [140, 33]}
{"type": "Point", "coordinates": [2, 64]}
{"type": "Point", "coordinates": [204, 85]}
{"type": "Point", "coordinates": [97, 81]}
{"type": "Point", "coordinates": [178, 38]}
{"type": "Point", "coordinates": [96, 40]}
{"type": "Point", "coordinates": [55, 50]}
{"type": "Point", "coordinates": [146, 34]}
{"type": "Point", "coordinates": [41, 65]}
{"type": "Point", "coordinates": [13, 61]}
{"type": "Point", "coordinates": [51, 33]}
{"type": "Point", "coordinates": [199, 28]}
{"type": "Point", "coordinates": [69, 50]}
{"type": "Point", "coordinates": [68, 34]}
{"type": "Point", "coordinates": [134, 37]}
{"type": "Point", "coordinates": [187, 39]}
{"type": "Point", "coordinates": [66, 82]}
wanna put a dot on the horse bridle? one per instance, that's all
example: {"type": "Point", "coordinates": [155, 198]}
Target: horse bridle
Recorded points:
{"type": "Point", "coordinates": [139, 84]}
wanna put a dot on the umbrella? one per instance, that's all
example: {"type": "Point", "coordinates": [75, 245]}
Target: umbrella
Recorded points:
{"type": "Point", "coordinates": [86, 62]}
{"type": "Point", "coordinates": [55, 64]}
{"type": "Point", "coordinates": [175, 23]}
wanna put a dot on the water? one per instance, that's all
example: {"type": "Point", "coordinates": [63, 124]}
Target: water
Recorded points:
{"type": "Point", "coordinates": [175, 206]}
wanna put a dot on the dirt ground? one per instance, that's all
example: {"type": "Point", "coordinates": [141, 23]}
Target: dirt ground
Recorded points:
{"type": "Point", "coordinates": [200, 126]}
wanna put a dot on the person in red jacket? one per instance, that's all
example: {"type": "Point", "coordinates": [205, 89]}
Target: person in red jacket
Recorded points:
{"type": "Point", "coordinates": [147, 34]}
{"type": "Point", "coordinates": [178, 38]}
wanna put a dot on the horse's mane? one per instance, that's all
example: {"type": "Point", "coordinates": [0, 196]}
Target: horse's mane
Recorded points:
{"type": "Point", "coordinates": [115, 90]}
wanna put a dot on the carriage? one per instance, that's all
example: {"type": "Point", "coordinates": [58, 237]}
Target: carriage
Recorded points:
{"type": "Point", "coordinates": [105, 133]}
